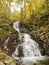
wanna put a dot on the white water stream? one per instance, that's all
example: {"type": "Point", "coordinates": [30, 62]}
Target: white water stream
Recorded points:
{"type": "Point", "coordinates": [30, 48]}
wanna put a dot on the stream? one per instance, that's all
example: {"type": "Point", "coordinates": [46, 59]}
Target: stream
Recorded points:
{"type": "Point", "coordinates": [27, 50]}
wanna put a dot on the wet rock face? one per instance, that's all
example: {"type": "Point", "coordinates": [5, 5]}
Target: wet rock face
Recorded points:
{"type": "Point", "coordinates": [20, 52]}
{"type": "Point", "coordinates": [45, 38]}
{"type": "Point", "coordinates": [13, 36]}
{"type": "Point", "coordinates": [11, 44]}
{"type": "Point", "coordinates": [43, 41]}
{"type": "Point", "coordinates": [2, 40]}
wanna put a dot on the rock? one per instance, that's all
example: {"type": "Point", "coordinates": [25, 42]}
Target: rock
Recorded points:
{"type": "Point", "coordinates": [12, 43]}
{"type": "Point", "coordinates": [2, 40]}
{"type": "Point", "coordinates": [13, 36]}
{"type": "Point", "coordinates": [8, 60]}
{"type": "Point", "coordinates": [20, 51]}
{"type": "Point", "coordinates": [43, 62]}
{"type": "Point", "coordinates": [1, 63]}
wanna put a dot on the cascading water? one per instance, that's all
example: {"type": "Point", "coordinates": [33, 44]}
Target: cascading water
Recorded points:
{"type": "Point", "coordinates": [29, 47]}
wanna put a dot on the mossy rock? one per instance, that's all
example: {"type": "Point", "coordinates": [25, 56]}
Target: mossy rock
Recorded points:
{"type": "Point", "coordinates": [7, 60]}
{"type": "Point", "coordinates": [43, 62]}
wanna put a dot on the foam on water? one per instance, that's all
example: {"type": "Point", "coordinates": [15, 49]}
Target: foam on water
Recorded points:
{"type": "Point", "coordinates": [30, 47]}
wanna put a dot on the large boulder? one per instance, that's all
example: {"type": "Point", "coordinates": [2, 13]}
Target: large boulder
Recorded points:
{"type": "Point", "coordinates": [7, 60]}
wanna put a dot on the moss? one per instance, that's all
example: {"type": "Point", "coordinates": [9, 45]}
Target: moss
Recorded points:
{"type": "Point", "coordinates": [7, 60]}
{"type": "Point", "coordinates": [43, 62]}
{"type": "Point", "coordinates": [5, 28]}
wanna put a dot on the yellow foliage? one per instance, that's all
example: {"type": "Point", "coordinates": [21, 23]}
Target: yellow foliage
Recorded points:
{"type": "Point", "coordinates": [34, 6]}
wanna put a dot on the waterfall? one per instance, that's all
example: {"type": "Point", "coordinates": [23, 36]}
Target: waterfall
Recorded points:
{"type": "Point", "coordinates": [28, 49]}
